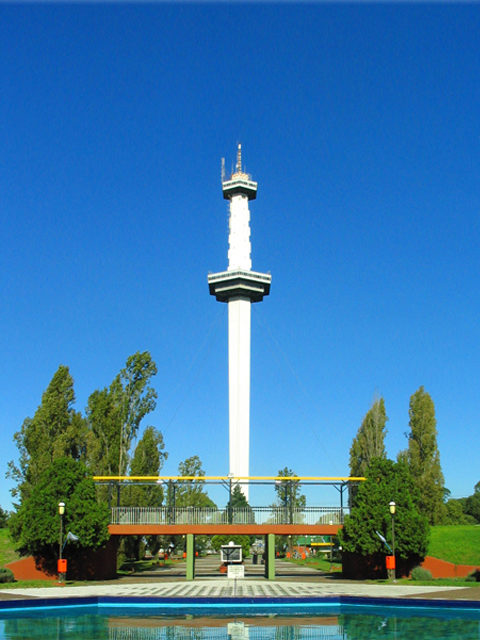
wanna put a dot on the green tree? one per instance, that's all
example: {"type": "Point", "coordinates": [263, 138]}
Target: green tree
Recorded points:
{"type": "Point", "coordinates": [423, 456]}
{"type": "Point", "coordinates": [288, 493]}
{"type": "Point", "coordinates": [114, 415]}
{"type": "Point", "coordinates": [386, 481]}
{"type": "Point", "coordinates": [472, 503]}
{"type": "Point", "coordinates": [237, 499]}
{"type": "Point", "coordinates": [191, 492]}
{"type": "Point", "coordinates": [4, 515]}
{"type": "Point", "coordinates": [243, 541]}
{"type": "Point", "coordinates": [147, 460]}
{"type": "Point", "coordinates": [55, 431]}
{"type": "Point", "coordinates": [35, 526]}
{"type": "Point", "coordinates": [238, 510]}
{"type": "Point", "coordinates": [369, 443]}
{"type": "Point", "coordinates": [455, 512]}
{"type": "Point", "coordinates": [103, 417]}
{"type": "Point", "coordinates": [291, 500]}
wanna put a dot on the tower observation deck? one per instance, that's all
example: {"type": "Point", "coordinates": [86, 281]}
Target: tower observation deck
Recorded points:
{"type": "Point", "coordinates": [239, 286]}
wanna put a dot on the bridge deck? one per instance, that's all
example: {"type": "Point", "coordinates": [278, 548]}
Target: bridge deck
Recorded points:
{"type": "Point", "coordinates": [218, 529]}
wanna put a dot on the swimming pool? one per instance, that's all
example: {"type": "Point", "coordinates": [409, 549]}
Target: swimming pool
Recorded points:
{"type": "Point", "coordinates": [344, 618]}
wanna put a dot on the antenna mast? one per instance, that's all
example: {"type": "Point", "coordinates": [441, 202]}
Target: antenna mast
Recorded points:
{"type": "Point", "coordinates": [239, 158]}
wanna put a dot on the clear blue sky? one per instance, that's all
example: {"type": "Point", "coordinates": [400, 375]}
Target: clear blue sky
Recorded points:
{"type": "Point", "coordinates": [360, 124]}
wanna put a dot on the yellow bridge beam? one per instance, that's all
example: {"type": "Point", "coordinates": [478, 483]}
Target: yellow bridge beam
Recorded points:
{"type": "Point", "coordinates": [236, 478]}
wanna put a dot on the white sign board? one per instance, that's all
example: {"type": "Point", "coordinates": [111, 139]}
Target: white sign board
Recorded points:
{"type": "Point", "coordinates": [231, 552]}
{"type": "Point", "coordinates": [237, 631]}
{"type": "Point", "coordinates": [236, 571]}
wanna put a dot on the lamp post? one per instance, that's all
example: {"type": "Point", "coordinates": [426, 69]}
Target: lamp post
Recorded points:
{"type": "Point", "coordinates": [392, 506]}
{"type": "Point", "coordinates": [61, 563]}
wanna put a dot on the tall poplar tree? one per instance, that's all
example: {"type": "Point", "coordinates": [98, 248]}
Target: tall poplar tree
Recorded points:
{"type": "Point", "coordinates": [423, 456]}
{"type": "Point", "coordinates": [363, 550]}
{"type": "Point", "coordinates": [369, 443]}
{"type": "Point", "coordinates": [147, 460]}
{"type": "Point", "coordinates": [55, 431]}
{"type": "Point", "coordinates": [114, 415]}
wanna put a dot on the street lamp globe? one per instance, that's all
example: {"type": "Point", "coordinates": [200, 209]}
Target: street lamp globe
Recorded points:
{"type": "Point", "coordinates": [392, 506]}
{"type": "Point", "coordinates": [61, 508]}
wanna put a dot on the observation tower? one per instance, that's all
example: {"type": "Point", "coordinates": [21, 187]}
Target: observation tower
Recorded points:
{"type": "Point", "coordinates": [239, 286]}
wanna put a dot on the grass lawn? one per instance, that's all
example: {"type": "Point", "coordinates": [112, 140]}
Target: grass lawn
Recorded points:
{"type": "Point", "coordinates": [435, 582]}
{"type": "Point", "coordinates": [130, 567]}
{"type": "Point", "coordinates": [318, 563]}
{"type": "Point", "coordinates": [459, 544]}
{"type": "Point", "coordinates": [7, 553]}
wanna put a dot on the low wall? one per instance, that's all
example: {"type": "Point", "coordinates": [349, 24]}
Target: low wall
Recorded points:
{"type": "Point", "coordinates": [443, 569]}
{"type": "Point", "coordinates": [26, 569]}
{"type": "Point", "coordinates": [97, 565]}
{"type": "Point", "coordinates": [361, 567]}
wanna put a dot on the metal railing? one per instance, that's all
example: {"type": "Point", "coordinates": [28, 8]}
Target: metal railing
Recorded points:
{"type": "Point", "coordinates": [244, 515]}
{"type": "Point", "coordinates": [178, 630]}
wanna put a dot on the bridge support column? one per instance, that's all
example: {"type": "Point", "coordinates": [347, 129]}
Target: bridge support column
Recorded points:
{"type": "Point", "coordinates": [190, 573]}
{"type": "Point", "coordinates": [270, 556]}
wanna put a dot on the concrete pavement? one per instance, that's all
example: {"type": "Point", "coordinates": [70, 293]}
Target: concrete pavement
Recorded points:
{"type": "Point", "coordinates": [224, 587]}
{"type": "Point", "coordinates": [293, 581]}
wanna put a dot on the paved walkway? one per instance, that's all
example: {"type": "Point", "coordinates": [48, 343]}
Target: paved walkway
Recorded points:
{"type": "Point", "coordinates": [224, 587]}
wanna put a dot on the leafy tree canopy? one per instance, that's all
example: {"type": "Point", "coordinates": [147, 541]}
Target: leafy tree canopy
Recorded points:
{"type": "Point", "coordinates": [35, 526]}
{"type": "Point", "coordinates": [288, 491]}
{"type": "Point", "coordinates": [455, 512]}
{"type": "Point", "coordinates": [238, 499]}
{"type": "Point", "coordinates": [147, 460]}
{"type": "Point", "coordinates": [423, 456]}
{"type": "Point", "coordinates": [191, 493]}
{"type": "Point", "coordinates": [55, 431]}
{"type": "Point", "coordinates": [471, 505]}
{"type": "Point", "coordinates": [243, 541]}
{"type": "Point", "coordinates": [238, 509]}
{"type": "Point", "coordinates": [386, 481]}
{"type": "Point", "coordinates": [369, 443]}
{"type": "Point", "coordinates": [114, 415]}
{"type": "Point", "coordinates": [4, 515]}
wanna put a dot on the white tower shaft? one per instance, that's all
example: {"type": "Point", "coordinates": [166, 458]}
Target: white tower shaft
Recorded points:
{"type": "Point", "coordinates": [239, 236]}
{"type": "Point", "coordinates": [239, 387]}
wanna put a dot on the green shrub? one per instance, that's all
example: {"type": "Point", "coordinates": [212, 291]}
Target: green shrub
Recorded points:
{"type": "Point", "coordinates": [419, 573]}
{"type": "Point", "coordinates": [6, 575]}
{"type": "Point", "coordinates": [121, 559]}
{"type": "Point", "coordinates": [474, 576]}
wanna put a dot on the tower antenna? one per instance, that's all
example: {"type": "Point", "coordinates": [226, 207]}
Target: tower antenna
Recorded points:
{"type": "Point", "coordinates": [239, 158]}
{"type": "Point", "coordinates": [223, 170]}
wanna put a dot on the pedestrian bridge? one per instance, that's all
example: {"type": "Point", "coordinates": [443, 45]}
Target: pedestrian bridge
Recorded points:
{"type": "Point", "coordinates": [231, 516]}
{"type": "Point", "coordinates": [208, 521]}
{"type": "Point", "coordinates": [287, 513]}
{"type": "Point", "coordinates": [286, 518]}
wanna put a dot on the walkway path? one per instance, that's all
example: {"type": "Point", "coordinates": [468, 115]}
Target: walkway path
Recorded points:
{"type": "Point", "coordinates": [223, 587]}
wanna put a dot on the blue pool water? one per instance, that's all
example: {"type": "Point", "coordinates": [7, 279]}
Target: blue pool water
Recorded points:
{"type": "Point", "coordinates": [328, 622]}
